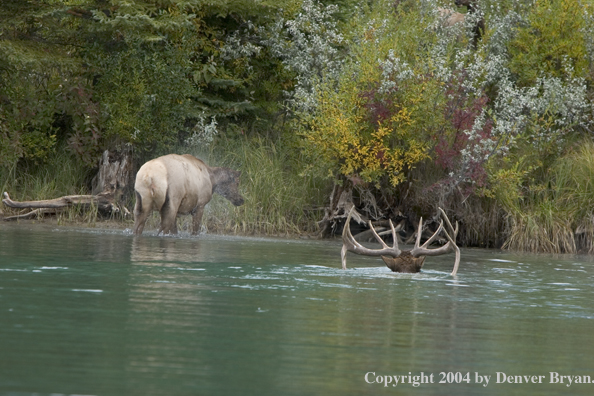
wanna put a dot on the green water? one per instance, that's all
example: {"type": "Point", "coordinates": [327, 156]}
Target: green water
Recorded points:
{"type": "Point", "coordinates": [103, 313]}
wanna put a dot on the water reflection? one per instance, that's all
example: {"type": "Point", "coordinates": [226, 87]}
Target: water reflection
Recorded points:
{"type": "Point", "coordinates": [168, 312]}
{"type": "Point", "coordinates": [108, 313]}
{"type": "Point", "coordinates": [148, 250]}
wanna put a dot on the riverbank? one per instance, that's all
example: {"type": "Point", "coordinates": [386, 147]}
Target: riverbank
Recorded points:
{"type": "Point", "coordinates": [56, 221]}
{"type": "Point", "coordinates": [211, 226]}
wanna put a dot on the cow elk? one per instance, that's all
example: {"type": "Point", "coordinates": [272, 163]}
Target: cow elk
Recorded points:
{"type": "Point", "coordinates": [180, 184]}
{"type": "Point", "coordinates": [409, 261]}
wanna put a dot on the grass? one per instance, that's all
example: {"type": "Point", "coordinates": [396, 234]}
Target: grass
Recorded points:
{"type": "Point", "coordinates": [277, 198]}
{"type": "Point", "coordinates": [60, 175]}
{"type": "Point", "coordinates": [541, 228]}
{"type": "Point", "coordinates": [556, 215]}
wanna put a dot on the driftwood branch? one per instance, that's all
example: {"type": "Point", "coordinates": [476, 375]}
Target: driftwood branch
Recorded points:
{"type": "Point", "coordinates": [103, 201]}
{"type": "Point", "coordinates": [34, 213]}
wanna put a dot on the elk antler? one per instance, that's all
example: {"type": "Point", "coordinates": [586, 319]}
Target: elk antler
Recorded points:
{"type": "Point", "coordinates": [408, 260]}
{"type": "Point", "coordinates": [349, 243]}
{"type": "Point", "coordinates": [450, 233]}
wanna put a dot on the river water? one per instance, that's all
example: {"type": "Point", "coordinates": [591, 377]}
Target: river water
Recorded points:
{"type": "Point", "coordinates": [85, 312]}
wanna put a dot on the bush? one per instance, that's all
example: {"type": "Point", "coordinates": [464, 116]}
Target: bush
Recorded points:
{"type": "Point", "coordinates": [377, 120]}
{"type": "Point", "coordinates": [550, 42]}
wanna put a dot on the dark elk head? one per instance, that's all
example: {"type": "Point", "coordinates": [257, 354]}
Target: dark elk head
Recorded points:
{"type": "Point", "coordinates": [403, 260]}
{"type": "Point", "coordinates": [226, 183]}
{"type": "Point", "coordinates": [467, 3]}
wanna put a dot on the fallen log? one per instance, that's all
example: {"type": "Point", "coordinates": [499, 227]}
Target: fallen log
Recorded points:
{"type": "Point", "coordinates": [103, 202]}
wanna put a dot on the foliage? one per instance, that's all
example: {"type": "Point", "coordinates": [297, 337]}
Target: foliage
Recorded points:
{"type": "Point", "coordinates": [145, 94]}
{"type": "Point", "coordinates": [156, 72]}
{"type": "Point", "coordinates": [101, 74]}
{"type": "Point", "coordinates": [43, 98]}
{"type": "Point", "coordinates": [481, 112]}
{"type": "Point", "coordinates": [380, 93]}
{"type": "Point", "coordinates": [308, 45]}
{"type": "Point", "coordinates": [550, 42]}
{"type": "Point", "coordinates": [377, 121]}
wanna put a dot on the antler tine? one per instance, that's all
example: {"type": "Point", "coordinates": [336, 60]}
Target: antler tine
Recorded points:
{"type": "Point", "coordinates": [394, 237]}
{"type": "Point", "coordinates": [445, 216]}
{"type": "Point", "coordinates": [419, 232]}
{"type": "Point", "coordinates": [348, 241]}
{"type": "Point", "coordinates": [379, 239]}
{"type": "Point", "coordinates": [456, 249]}
{"type": "Point", "coordinates": [343, 256]}
{"type": "Point", "coordinates": [351, 245]}
{"type": "Point", "coordinates": [452, 240]}
{"type": "Point", "coordinates": [435, 234]}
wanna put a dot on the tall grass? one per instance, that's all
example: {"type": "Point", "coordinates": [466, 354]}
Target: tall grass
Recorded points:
{"type": "Point", "coordinates": [59, 175]}
{"type": "Point", "coordinates": [575, 177]}
{"type": "Point", "coordinates": [557, 214]}
{"type": "Point", "coordinates": [278, 199]}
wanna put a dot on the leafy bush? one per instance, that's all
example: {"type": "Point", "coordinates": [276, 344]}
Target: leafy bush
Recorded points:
{"type": "Point", "coordinates": [550, 42]}
{"type": "Point", "coordinates": [376, 123]}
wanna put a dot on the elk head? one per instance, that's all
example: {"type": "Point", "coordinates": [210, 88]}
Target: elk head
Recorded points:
{"type": "Point", "coordinates": [466, 3]}
{"type": "Point", "coordinates": [403, 260]}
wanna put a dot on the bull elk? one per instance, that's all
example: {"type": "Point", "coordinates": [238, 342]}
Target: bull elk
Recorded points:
{"type": "Point", "coordinates": [397, 260]}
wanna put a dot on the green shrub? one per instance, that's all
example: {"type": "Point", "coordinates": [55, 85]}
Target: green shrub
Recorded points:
{"type": "Point", "coordinates": [551, 42]}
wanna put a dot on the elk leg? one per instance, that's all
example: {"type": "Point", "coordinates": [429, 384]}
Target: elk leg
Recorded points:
{"type": "Point", "coordinates": [168, 217]}
{"type": "Point", "coordinates": [141, 213]}
{"type": "Point", "coordinates": [197, 220]}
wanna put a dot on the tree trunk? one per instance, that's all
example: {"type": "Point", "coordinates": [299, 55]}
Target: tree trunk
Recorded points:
{"type": "Point", "coordinates": [115, 174]}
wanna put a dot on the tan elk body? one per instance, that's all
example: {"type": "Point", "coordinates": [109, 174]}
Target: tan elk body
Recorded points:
{"type": "Point", "coordinates": [180, 184]}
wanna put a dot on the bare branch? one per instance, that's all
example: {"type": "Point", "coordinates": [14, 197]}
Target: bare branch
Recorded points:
{"type": "Point", "coordinates": [34, 213]}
